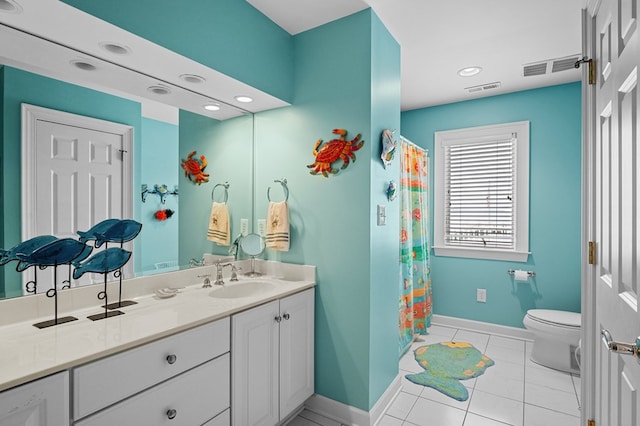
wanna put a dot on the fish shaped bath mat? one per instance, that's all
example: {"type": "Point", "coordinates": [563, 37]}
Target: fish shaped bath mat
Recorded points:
{"type": "Point", "coordinates": [446, 363]}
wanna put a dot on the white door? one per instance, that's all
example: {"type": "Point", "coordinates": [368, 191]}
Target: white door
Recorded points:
{"type": "Point", "coordinates": [44, 402]}
{"type": "Point", "coordinates": [77, 173]}
{"type": "Point", "coordinates": [614, 222]}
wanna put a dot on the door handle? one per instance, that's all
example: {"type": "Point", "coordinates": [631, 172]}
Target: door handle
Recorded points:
{"type": "Point", "coordinates": [619, 347]}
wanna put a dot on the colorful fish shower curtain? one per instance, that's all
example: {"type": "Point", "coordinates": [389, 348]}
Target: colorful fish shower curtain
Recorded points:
{"type": "Point", "coordinates": [415, 283]}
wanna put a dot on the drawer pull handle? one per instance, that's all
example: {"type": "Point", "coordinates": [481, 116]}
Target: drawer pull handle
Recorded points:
{"type": "Point", "coordinates": [286, 316]}
{"type": "Point", "coordinates": [172, 413]}
{"type": "Point", "coordinates": [278, 318]}
{"type": "Point", "coordinates": [172, 359]}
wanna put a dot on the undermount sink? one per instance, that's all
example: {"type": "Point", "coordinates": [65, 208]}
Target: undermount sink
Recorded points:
{"type": "Point", "coordinates": [242, 289]}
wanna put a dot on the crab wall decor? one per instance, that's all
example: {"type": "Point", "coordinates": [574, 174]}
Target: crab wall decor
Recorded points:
{"type": "Point", "coordinates": [332, 151]}
{"type": "Point", "coordinates": [194, 168]}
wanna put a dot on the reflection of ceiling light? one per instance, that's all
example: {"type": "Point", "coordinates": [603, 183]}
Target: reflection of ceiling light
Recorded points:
{"type": "Point", "coordinates": [212, 107]}
{"type": "Point", "coordinates": [116, 48]}
{"type": "Point", "coordinates": [159, 89]}
{"type": "Point", "coordinates": [192, 78]}
{"type": "Point", "coordinates": [244, 99]}
{"type": "Point", "coordinates": [10, 6]}
{"type": "Point", "coordinates": [82, 64]}
{"type": "Point", "coordinates": [469, 71]}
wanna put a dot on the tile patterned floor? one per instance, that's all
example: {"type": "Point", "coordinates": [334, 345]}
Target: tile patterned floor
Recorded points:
{"type": "Point", "coordinates": [515, 391]}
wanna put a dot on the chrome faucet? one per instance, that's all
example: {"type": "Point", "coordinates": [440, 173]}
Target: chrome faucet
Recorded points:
{"type": "Point", "coordinates": [219, 280]}
{"type": "Point", "coordinates": [207, 282]}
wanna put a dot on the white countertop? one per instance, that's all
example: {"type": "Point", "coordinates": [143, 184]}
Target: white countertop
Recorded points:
{"type": "Point", "coordinates": [28, 353]}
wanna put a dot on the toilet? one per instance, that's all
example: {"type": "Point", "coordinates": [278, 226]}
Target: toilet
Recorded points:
{"type": "Point", "coordinates": [556, 338]}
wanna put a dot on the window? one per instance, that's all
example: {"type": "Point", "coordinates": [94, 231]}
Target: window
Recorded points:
{"type": "Point", "coordinates": [482, 192]}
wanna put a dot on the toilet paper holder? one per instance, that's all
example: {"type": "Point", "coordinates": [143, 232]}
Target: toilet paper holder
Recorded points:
{"type": "Point", "coordinates": [530, 274]}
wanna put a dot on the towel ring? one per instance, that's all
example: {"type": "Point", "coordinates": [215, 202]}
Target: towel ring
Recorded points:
{"type": "Point", "coordinates": [282, 182]}
{"type": "Point", "coordinates": [226, 191]}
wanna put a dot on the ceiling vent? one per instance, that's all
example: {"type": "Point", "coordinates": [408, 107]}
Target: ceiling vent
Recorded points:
{"type": "Point", "coordinates": [550, 65]}
{"type": "Point", "coordinates": [483, 87]}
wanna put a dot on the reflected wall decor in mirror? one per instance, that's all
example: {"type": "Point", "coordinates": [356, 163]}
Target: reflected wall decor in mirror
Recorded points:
{"type": "Point", "coordinates": [42, 65]}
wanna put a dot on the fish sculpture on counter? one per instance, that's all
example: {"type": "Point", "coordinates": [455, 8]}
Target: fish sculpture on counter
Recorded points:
{"type": "Point", "coordinates": [83, 255]}
{"type": "Point", "coordinates": [58, 252]}
{"type": "Point", "coordinates": [107, 260]}
{"type": "Point", "coordinates": [98, 228]}
{"type": "Point", "coordinates": [25, 247]}
{"type": "Point", "coordinates": [121, 232]}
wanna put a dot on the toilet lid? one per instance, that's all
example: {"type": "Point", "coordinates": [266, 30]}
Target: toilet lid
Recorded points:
{"type": "Point", "coordinates": [550, 316]}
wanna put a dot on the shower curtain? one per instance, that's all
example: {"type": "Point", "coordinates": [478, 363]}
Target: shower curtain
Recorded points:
{"type": "Point", "coordinates": [415, 283]}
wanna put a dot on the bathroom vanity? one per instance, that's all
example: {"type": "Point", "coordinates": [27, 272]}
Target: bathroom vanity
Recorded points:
{"type": "Point", "coordinates": [192, 359]}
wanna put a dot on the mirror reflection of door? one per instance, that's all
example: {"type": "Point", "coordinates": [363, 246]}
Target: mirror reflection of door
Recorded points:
{"type": "Point", "coordinates": [77, 172]}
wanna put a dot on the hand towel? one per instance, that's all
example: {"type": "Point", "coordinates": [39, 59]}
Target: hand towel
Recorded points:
{"type": "Point", "coordinates": [219, 224]}
{"type": "Point", "coordinates": [277, 236]}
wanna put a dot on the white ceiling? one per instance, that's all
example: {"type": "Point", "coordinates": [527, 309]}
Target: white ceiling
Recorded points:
{"type": "Point", "coordinates": [438, 38]}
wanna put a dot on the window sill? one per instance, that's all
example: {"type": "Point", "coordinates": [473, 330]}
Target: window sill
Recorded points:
{"type": "Point", "coordinates": [488, 254]}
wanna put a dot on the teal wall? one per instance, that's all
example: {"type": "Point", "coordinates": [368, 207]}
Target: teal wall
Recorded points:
{"type": "Point", "coordinates": [159, 165]}
{"type": "Point", "coordinates": [18, 87]}
{"type": "Point", "coordinates": [332, 219]}
{"type": "Point", "coordinates": [554, 207]}
{"type": "Point", "coordinates": [227, 148]}
{"type": "Point", "coordinates": [230, 36]}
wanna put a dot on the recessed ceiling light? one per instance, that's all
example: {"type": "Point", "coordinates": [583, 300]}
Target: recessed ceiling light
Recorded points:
{"type": "Point", "coordinates": [469, 71]}
{"type": "Point", "coordinates": [212, 107]}
{"type": "Point", "coordinates": [83, 64]}
{"type": "Point", "coordinates": [244, 99]}
{"type": "Point", "coordinates": [10, 6]}
{"type": "Point", "coordinates": [159, 89]}
{"type": "Point", "coordinates": [192, 78]}
{"type": "Point", "coordinates": [116, 48]}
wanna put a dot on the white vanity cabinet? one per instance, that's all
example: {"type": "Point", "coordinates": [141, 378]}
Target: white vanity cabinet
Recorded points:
{"type": "Point", "coordinates": [272, 359]}
{"type": "Point", "coordinates": [182, 379]}
{"type": "Point", "coordinates": [43, 402]}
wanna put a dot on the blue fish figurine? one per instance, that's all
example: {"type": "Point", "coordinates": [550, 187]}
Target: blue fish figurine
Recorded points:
{"type": "Point", "coordinates": [58, 252]}
{"type": "Point", "coordinates": [25, 247]}
{"type": "Point", "coordinates": [83, 255]}
{"type": "Point", "coordinates": [98, 228]}
{"type": "Point", "coordinates": [121, 232]}
{"type": "Point", "coordinates": [103, 262]}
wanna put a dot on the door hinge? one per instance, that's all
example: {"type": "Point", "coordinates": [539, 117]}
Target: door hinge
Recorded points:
{"type": "Point", "coordinates": [592, 252]}
{"type": "Point", "coordinates": [591, 423]}
{"type": "Point", "coordinates": [592, 68]}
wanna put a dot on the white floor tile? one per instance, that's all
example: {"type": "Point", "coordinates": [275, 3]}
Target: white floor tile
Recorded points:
{"type": "Point", "coordinates": [437, 396]}
{"type": "Point", "coordinates": [479, 340]}
{"type": "Point", "coordinates": [300, 421]}
{"type": "Point", "coordinates": [506, 342]}
{"type": "Point", "coordinates": [497, 353]}
{"type": "Point", "coordinates": [576, 385]}
{"type": "Point", "coordinates": [505, 370]}
{"type": "Point", "coordinates": [547, 397]}
{"type": "Point", "coordinates": [389, 421]}
{"type": "Point", "coordinates": [408, 363]}
{"type": "Point", "coordinates": [497, 408]}
{"type": "Point", "coordinates": [401, 406]}
{"type": "Point", "coordinates": [446, 332]}
{"type": "Point", "coordinates": [550, 378]}
{"type": "Point", "coordinates": [429, 413]}
{"type": "Point", "coordinates": [475, 420]}
{"type": "Point", "coordinates": [537, 416]}
{"type": "Point", "coordinates": [507, 387]}
{"type": "Point", "coordinates": [408, 386]}
{"type": "Point", "coordinates": [317, 419]}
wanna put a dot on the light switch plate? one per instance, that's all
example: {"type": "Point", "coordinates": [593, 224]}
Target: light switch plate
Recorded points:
{"type": "Point", "coordinates": [262, 227]}
{"type": "Point", "coordinates": [382, 215]}
{"type": "Point", "coordinates": [244, 227]}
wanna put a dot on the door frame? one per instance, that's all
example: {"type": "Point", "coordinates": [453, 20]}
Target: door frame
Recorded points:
{"type": "Point", "coordinates": [590, 333]}
{"type": "Point", "coordinates": [30, 115]}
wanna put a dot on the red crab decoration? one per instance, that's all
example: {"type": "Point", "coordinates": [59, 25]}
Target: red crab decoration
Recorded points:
{"type": "Point", "coordinates": [332, 151]}
{"type": "Point", "coordinates": [194, 167]}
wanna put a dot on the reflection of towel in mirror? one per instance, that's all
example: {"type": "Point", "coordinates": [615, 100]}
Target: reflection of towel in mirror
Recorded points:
{"type": "Point", "coordinates": [219, 224]}
{"type": "Point", "coordinates": [277, 237]}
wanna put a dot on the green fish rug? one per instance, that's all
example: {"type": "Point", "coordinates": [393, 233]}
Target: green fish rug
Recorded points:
{"type": "Point", "coordinates": [446, 363]}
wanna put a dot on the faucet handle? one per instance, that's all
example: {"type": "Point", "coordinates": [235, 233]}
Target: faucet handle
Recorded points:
{"type": "Point", "coordinates": [234, 272]}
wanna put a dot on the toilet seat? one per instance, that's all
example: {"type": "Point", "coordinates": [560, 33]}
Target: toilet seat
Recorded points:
{"type": "Point", "coordinates": [563, 319]}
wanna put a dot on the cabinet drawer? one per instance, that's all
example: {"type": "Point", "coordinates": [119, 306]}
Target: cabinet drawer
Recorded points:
{"type": "Point", "coordinates": [222, 419]}
{"type": "Point", "coordinates": [189, 399]}
{"type": "Point", "coordinates": [107, 381]}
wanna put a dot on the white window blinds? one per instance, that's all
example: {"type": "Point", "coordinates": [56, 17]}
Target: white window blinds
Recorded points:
{"type": "Point", "coordinates": [479, 193]}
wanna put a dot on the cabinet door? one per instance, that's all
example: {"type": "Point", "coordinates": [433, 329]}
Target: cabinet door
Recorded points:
{"type": "Point", "coordinates": [44, 402]}
{"type": "Point", "coordinates": [254, 366]}
{"type": "Point", "coordinates": [296, 350]}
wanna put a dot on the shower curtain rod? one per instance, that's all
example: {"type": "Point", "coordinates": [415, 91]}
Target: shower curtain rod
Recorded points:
{"type": "Point", "coordinates": [413, 144]}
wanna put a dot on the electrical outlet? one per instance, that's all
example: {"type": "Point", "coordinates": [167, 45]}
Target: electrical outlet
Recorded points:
{"type": "Point", "coordinates": [262, 227]}
{"type": "Point", "coordinates": [244, 227]}
{"type": "Point", "coordinates": [481, 295]}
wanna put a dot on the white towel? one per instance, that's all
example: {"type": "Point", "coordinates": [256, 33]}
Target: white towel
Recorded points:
{"type": "Point", "coordinates": [218, 231]}
{"type": "Point", "coordinates": [277, 236]}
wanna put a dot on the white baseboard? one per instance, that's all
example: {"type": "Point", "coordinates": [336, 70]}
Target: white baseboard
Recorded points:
{"type": "Point", "coordinates": [348, 415]}
{"type": "Point", "coordinates": [501, 330]}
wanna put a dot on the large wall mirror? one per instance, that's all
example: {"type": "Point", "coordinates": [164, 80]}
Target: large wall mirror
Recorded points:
{"type": "Point", "coordinates": [32, 71]}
